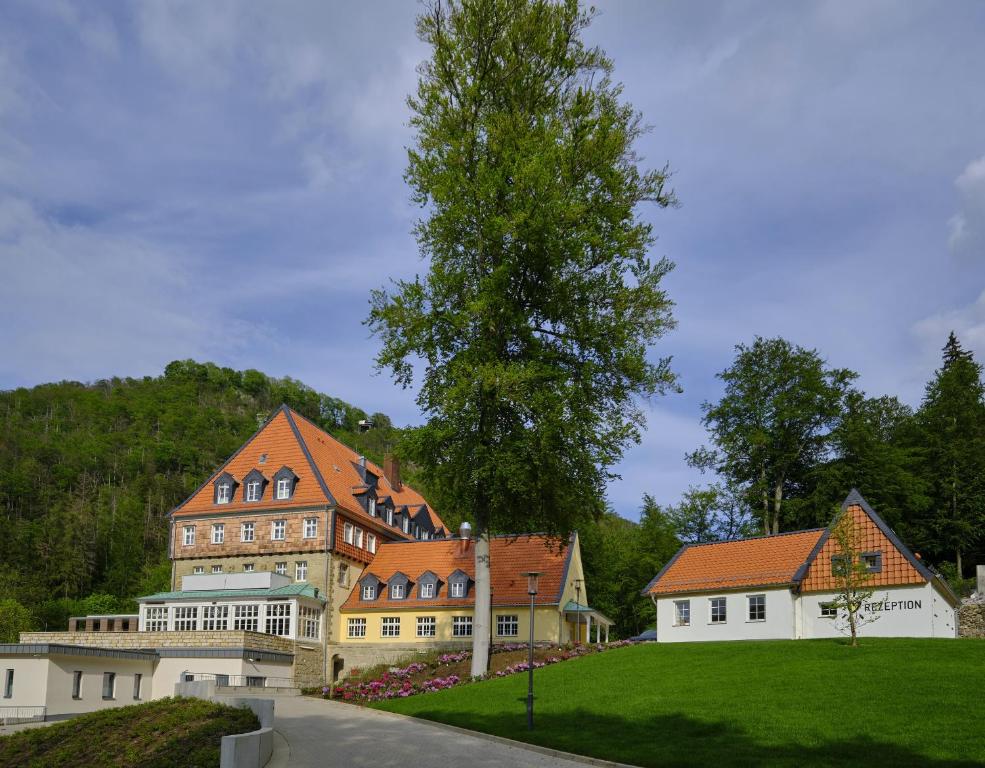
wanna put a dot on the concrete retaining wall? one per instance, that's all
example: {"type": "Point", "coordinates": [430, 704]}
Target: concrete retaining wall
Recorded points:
{"type": "Point", "coordinates": [247, 750]}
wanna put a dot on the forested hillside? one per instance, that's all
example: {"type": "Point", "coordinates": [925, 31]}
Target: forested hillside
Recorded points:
{"type": "Point", "coordinates": [89, 472]}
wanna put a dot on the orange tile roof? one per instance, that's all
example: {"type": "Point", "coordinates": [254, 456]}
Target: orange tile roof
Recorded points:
{"type": "Point", "coordinates": [326, 469]}
{"type": "Point", "coordinates": [756, 562]}
{"type": "Point", "coordinates": [509, 556]}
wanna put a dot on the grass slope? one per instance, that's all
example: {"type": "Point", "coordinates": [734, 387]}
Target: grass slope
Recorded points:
{"type": "Point", "coordinates": [168, 733]}
{"type": "Point", "coordinates": [780, 703]}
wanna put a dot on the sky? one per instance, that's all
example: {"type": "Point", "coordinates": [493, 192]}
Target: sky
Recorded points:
{"type": "Point", "coordinates": [223, 181]}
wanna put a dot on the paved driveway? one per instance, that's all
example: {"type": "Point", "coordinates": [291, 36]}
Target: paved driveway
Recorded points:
{"type": "Point", "coordinates": [327, 733]}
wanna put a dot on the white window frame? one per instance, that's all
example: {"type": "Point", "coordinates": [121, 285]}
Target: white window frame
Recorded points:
{"type": "Point", "coordinates": [217, 568]}
{"type": "Point", "coordinates": [301, 570]}
{"type": "Point", "coordinates": [371, 542]}
{"type": "Point", "coordinates": [507, 625]}
{"type": "Point", "coordinates": [426, 590]}
{"type": "Point", "coordinates": [223, 493]}
{"type": "Point", "coordinates": [427, 626]}
{"type": "Point", "coordinates": [759, 605]}
{"type": "Point", "coordinates": [357, 628]}
{"type": "Point", "coordinates": [248, 532]}
{"type": "Point", "coordinates": [278, 530]}
{"type": "Point", "coordinates": [389, 516]}
{"type": "Point", "coordinates": [277, 619]}
{"type": "Point", "coordinates": [156, 618]}
{"type": "Point", "coordinates": [189, 536]}
{"type": "Point", "coordinates": [390, 626]}
{"type": "Point", "coordinates": [246, 617]}
{"type": "Point", "coordinates": [371, 506]}
{"type": "Point", "coordinates": [248, 567]}
{"type": "Point", "coordinates": [461, 626]}
{"type": "Point", "coordinates": [347, 533]}
{"type": "Point", "coordinates": [218, 533]}
{"type": "Point", "coordinates": [369, 592]}
{"type": "Point", "coordinates": [283, 488]}
{"type": "Point", "coordinates": [186, 618]}
{"type": "Point", "coordinates": [253, 490]}
{"type": "Point", "coordinates": [198, 570]}
{"type": "Point", "coordinates": [398, 591]}
{"type": "Point", "coordinates": [311, 527]}
{"type": "Point", "coordinates": [828, 610]}
{"type": "Point", "coordinates": [343, 574]}
{"type": "Point", "coordinates": [682, 613]}
{"type": "Point", "coordinates": [281, 568]}
{"type": "Point", "coordinates": [405, 524]}
{"type": "Point", "coordinates": [717, 610]}
{"type": "Point", "coordinates": [456, 589]}
{"type": "Point", "coordinates": [359, 538]}
{"type": "Point", "coordinates": [309, 622]}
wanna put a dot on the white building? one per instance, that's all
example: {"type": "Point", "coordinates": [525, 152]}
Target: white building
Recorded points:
{"type": "Point", "coordinates": [782, 587]}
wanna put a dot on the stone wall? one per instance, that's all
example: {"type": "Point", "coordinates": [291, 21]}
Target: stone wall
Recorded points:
{"type": "Point", "coordinates": [220, 639]}
{"type": "Point", "coordinates": [317, 566]}
{"type": "Point", "coordinates": [309, 665]}
{"type": "Point", "coordinates": [971, 619]}
{"type": "Point", "coordinates": [371, 654]}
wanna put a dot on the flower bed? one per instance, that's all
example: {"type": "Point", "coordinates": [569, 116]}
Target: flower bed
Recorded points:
{"type": "Point", "coordinates": [451, 669]}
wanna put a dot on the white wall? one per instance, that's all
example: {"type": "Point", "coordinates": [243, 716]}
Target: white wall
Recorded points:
{"type": "Point", "coordinates": [61, 669]}
{"type": "Point", "coordinates": [169, 670]}
{"type": "Point", "coordinates": [30, 679]}
{"type": "Point", "coordinates": [945, 616]}
{"type": "Point", "coordinates": [779, 622]}
{"type": "Point", "coordinates": [906, 611]}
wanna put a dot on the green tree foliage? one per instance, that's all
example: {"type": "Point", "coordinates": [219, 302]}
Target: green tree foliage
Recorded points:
{"type": "Point", "coordinates": [952, 434]}
{"type": "Point", "coordinates": [88, 472]}
{"type": "Point", "coordinates": [774, 423]}
{"type": "Point", "coordinates": [715, 513]}
{"type": "Point", "coordinates": [14, 619]}
{"type": "Point", "coordinates": [536, 315]}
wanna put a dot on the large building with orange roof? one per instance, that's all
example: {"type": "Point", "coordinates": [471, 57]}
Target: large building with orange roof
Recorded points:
{"type": "Point", "coordinates": [783, 586]}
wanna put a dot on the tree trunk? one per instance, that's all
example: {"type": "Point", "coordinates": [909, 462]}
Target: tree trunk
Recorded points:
{"type": "Point", "coordinates": [957, 562]}
{"type": "Point", "coordinates": [851, 624]}
{"type": "Point", "coordinates": [481, 619]}
{"type": "Point", "coordinates": [766, 503]}
{"type": "Point", "coordinates": [777, 501]}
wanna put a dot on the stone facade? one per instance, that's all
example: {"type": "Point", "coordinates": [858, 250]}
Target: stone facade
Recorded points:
{"type": "Point", "coordinates": [349, 657]}
{"type": "Point", "coordinates": [317, 565]}
{"type": "Point", "coordinates": [234, 546]}
{"type": "Point", "coordinates": [256, 641]}
{"type": "Point", "coordinates": [971, 619]}
{"type": "Point", "coordinates": [309, 665]}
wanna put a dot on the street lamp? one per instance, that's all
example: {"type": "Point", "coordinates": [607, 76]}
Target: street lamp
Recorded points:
{"type": "Point", "coordinates": [532, 577]}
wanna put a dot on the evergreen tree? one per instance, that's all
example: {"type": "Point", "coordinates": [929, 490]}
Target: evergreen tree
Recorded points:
{"type": "Point", "coordinates": [952, 432]}
{"type": "Point", "coordinates": [535, 317]}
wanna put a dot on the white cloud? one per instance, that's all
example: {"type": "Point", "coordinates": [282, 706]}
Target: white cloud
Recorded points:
{"type": "Point", "coordinates": [967, 322]}
{"type": "Point", "coordinates": [966, 229]}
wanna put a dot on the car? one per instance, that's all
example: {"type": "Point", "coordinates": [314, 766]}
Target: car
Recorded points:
{"type": "Point", "coordinates": [647, 636]}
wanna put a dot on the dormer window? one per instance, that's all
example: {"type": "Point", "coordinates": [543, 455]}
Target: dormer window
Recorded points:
{"type": "Point", "coordinates": [389, 516]}
{"type": "Point", "coordinates": [427, 585]}
{"type": "Point", "coordinates": [458, 584]}
{"type": "Point", "coordinates": [224, 488]}
{"type": "Point", "coordinates": [285, 481]}
{"type": "Point", "coordinates": [253, 490]}
{"type": "Point", "coordinates": [283, 488]}
{"type": "Point", "coordinates": [457, 589]}
{"type": "Point", "coordinates": [371, 506]}
{"type": "Point", "coordinates": [405, 524]}
{"type": "Point", "coordinates": [397, 591]}
{"type": "Point", "coordinates": [369, 592]}
{"type": "Point", "coordinates": [223, 493]}
{"type": "Point", "coordinates": [427, 591]}
{"type": "Point", "coordinates": [370, 587]}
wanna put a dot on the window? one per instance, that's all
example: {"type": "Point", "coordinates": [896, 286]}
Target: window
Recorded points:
{"type": "Point", "coordinates": [216, 569]}
{"type": "Point", "coordinates": [8, 684]}
{"type": "Point", "coordinates": [278, 619]}
{"type": "Point", "coordinates": [301, 570]}
{"type": "Point", "coordinates": [347, 533]}
{"type": "Point", "coordinates": [427, 590]}
{"type": "Point", "coordinates": [507, 625]}
{"type": "Point", "coordinates": [389, 516]}
{"type": "Point", "coordinates": [457, 588]}
{"type": "Point", "coordinates": [461, 626]}
{"type": "Point", "coordinates": [371, 542]}
{"type": "Point", "coordinates": [757, 607]}
{"type": "Point", "coordinates": [247, 532]}
{"type": "Point", "coordinates": [369, 592]}
{"type": "Point", "coordinates": [359, 537]}
{"type": "Point", "coordinates": [283, 488]}
{"type": "Point", "coordinates": [77, 684]}
{"type": "Point", "coordinates": [280, 568]}
{"type": "Point", "coordinates": [109, 685]}
{"type": "Point", "coordinates": [390, 626]}
{"type": "Point", "coordinates": [248, 567]}
{"type": "Point", "coordinates": [829, 611]}
{"type": "Point", "coordinates": [277, 530]}
{"type": "Point", "coordinates": [371, 506]}
{"type": "Point", "coordinates": [253, 490]}
{"type": "Point", "coordinates": [344, 574]}
{"type": "Point", "coordinates": [246, 618]}
{"type": "Point", "coordinates": [357, 627]}
{"type": "Point", "coordinates": [156, 619]}
{"type": "Point", "coordinates": [218, 533]}
{"type": "Point", "coordinates": [137, 678]}
{"type": "Point", "coordinates": [397, 591]}
{"type": "Point", "coordinates": [222, 493]}
{"type": "Point", "coordinates": [310, 527]}
{"type": "Point", "coordinates": [717, 610]}
{"type": "Point", "coordinates": [186, 618]}
{"type": "Point", "coordinates": [405, 524]}
{"type": "Point", "coordinates": [872, 561]}
{"type": "Point", "coordinates": [839, 565]}
{"type": "Point", "coordinates": [189, 539]}
{"type": "Point", "coordinates": [309, 620]}
{"type": "Point", "coordinates": [256, 682]}
{"type": "Point", "coordinates": [426, 626]}
{"type": "Point", "coordinates": [215, 617]}
{"type": "Point", "coordinates": [682, 613]}
{"type": "Point", "coordinates": [198, 570]}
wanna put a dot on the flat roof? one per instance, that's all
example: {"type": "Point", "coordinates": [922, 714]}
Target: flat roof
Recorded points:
{"type": "Point", "coordinates": [62, 649]}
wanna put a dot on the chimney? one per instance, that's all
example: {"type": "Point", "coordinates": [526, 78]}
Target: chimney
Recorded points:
{"type": "Point", "coordinates": [391, 469]}
{"type": "Point", "coordinates": [465, 535]}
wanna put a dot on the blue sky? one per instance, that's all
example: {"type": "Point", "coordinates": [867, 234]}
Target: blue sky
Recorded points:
{"type": "Point", "coordinates": [222, 181]}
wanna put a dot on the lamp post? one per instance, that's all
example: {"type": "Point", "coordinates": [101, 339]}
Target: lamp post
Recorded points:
{"type": "Point", "coordinates": [578, 605]}
{"type": "Point", "coordinates": [532, 577]}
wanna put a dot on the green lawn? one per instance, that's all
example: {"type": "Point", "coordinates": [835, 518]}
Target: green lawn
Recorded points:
{"type": "Point", "coordinates": [780, 703]}
{"type": "Point", "coordinates": [168, 733]}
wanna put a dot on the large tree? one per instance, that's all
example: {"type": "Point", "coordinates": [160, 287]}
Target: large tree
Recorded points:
{"type": "Point", "coordinates": [774, 421]}
{"type": "Point", "coordinates": [952, 434]}
{"type": "Point", "coordinates": [539, 305]}
{"type": "Point", "coordinates": [718, 512]}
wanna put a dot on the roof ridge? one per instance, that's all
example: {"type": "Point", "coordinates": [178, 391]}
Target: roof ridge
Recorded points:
{"type": "Point", "coordinates": [289, 414]}
{"type": "Point", "coordinates": [764, 537]}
